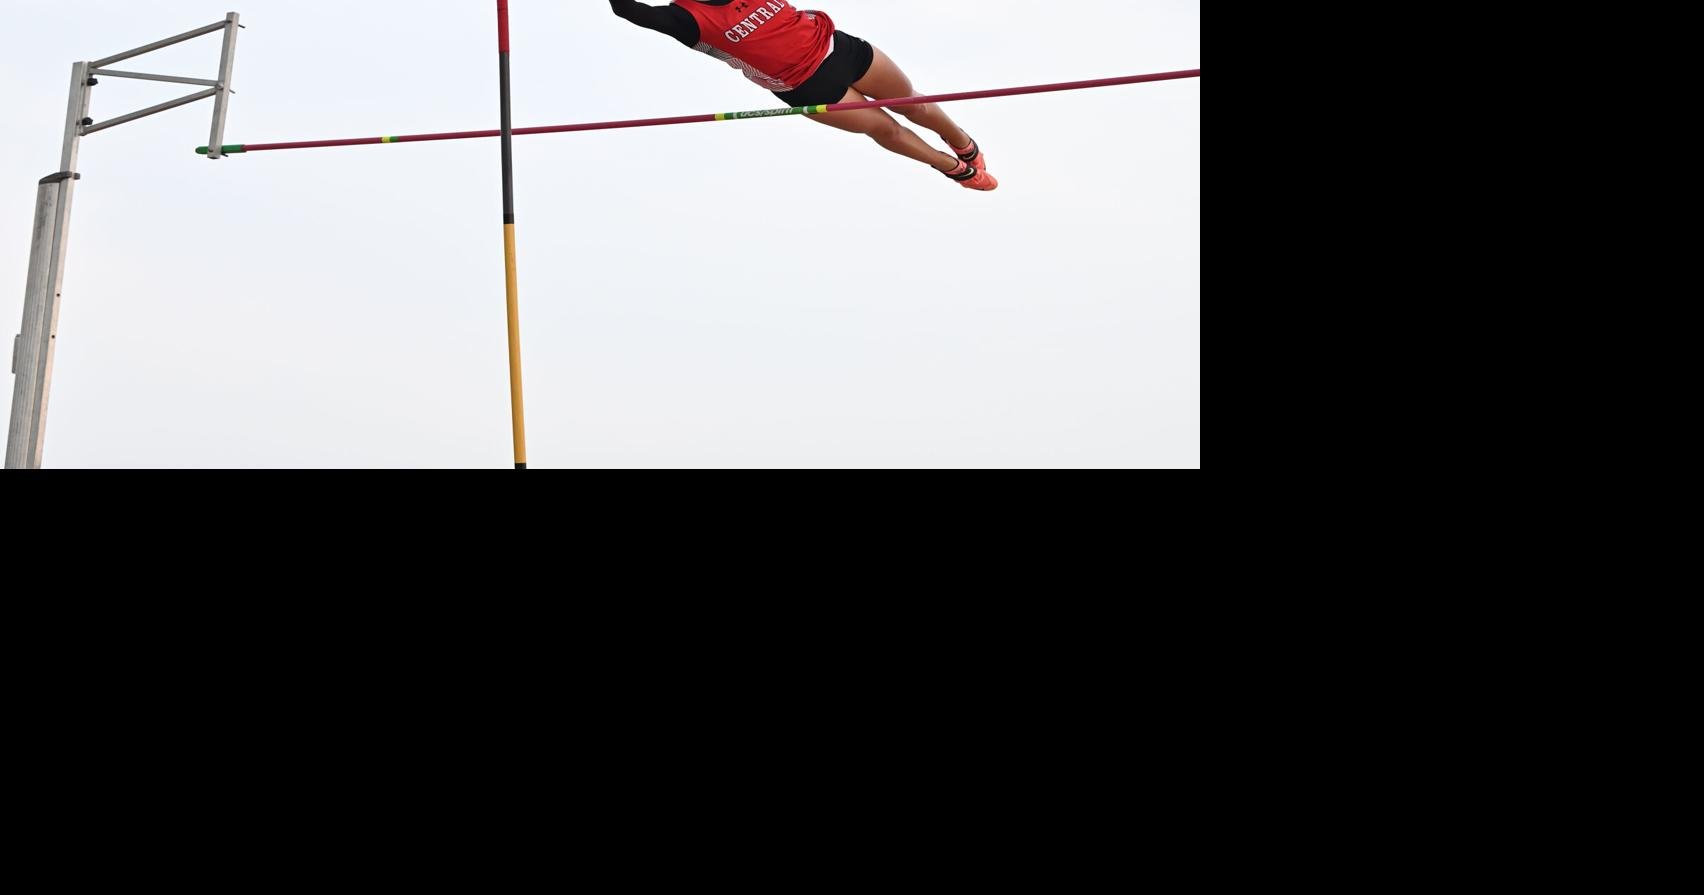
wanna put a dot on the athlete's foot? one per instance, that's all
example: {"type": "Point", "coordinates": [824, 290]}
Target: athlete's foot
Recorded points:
{"type": "Point", "coordinates": [972, 178]}
{"type": "Point", "coordinates": [972, 155]}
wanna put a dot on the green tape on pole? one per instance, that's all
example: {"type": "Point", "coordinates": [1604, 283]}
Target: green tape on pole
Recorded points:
{"type": "Point", "coordinates": [223, 150]}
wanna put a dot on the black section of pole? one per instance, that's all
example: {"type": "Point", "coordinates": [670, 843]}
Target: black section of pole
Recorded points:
{"type": "Point", "coordinates": [508, 142]}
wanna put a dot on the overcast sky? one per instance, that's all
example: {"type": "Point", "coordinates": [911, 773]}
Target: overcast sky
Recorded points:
{"type": "Point", "coordinates": [769, 293]}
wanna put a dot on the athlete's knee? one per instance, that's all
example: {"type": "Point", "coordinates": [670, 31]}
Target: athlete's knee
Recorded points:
{"type": "Point", "coordinates": [889, 132]}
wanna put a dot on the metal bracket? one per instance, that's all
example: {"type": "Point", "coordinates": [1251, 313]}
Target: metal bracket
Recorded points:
{"type": "Point", "coordinates": [219, 90]}
{"type": "Point", "coordinates": [139, 76]}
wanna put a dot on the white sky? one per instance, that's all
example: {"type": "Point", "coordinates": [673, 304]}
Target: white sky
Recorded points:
{"type": "Point", "coordinates": [750, 294]}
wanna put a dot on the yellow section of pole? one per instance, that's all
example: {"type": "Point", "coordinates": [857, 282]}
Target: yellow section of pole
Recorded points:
{"type": "Point", "coordinates": [516, 397]}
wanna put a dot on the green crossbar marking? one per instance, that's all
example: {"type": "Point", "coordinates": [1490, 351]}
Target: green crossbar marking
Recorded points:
{"type": "Point", "coordinates": [224, 150]}
{"type": "Point", "coordinates": [766, 113]}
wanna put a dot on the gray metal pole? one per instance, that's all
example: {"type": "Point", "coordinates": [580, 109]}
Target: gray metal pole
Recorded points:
{"type": "Point", "coordinates": [227, 67]}
{"type": "Point", "coordinates": [33, 348]}
{"type": "Point", "coordinates": [162, 44]}
{"type": "Point", "coordinates": [141, 76]}
{"type": "Point", "coordinates": [76, 112]}
{"type": "Point", "coordinates": [151, 110]}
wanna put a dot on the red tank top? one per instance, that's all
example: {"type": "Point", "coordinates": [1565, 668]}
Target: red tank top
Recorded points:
{"type": "Point", "coordinates": [776, 45]}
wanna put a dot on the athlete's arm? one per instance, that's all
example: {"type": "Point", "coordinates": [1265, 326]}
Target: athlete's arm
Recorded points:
{"type": "Point", "coordinates": [671, 20]}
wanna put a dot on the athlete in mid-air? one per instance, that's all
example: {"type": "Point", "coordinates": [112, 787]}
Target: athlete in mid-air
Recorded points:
{"type": "Point", "coordinates": [800, 57]}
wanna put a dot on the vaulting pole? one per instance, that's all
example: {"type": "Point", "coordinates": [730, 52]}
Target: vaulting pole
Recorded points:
{"type": "Point", "coordinates": [516, 400]}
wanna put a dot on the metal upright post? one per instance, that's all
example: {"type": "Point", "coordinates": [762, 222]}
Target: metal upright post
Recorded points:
{"type": "Point", "coordinates": [33, 348]}
{"type": "Point", "coordinates": [227, 67]}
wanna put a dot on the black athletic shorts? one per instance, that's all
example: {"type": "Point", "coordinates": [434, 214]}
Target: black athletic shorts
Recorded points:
{"type": "Point", "coordinates": [847, 65]}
